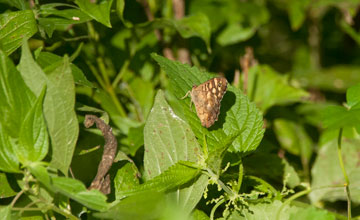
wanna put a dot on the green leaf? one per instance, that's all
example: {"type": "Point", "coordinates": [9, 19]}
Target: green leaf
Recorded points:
{"type": "Point", "coordinates": [5, 212]}
{"type": "Point", "coordinates": [269, 88]}
{"type": "Point", "coordinates": [8, 160]}
{"type": "Point", "coordinates": [136, 139]}
{"type": "Point", "coordinates": [336, 78]}
{"type": "Point", "coordinates": [199, 215]}
{"type": "Point", "coordinates": [15, 97]}
{"type": "Point", "coordinates": [76, 190]}
{"type": "Point", "coordinates": [120, 6]}
{"type": "Point", "coordinates": [235, 33]}
{"type": "Point", "coordinates": [125, 180]}
{"type": "Point", "coordinates": [143, 93]}
{"type": "Point", "coordinates": [14, 27]}
{"type": "Point", "coordinates": [147, 205]}
{"type": "Point", "coordinates": [19, 4]}
{"type": "Point", "coordinates": [58, 106]}
{"type": "Point", "coordinates": [170, 179]}
{"type": "Point", "coordinates": [33, 139]}
{"type": "Point", "coordinates": [195, 26]}
{"type": "Point", "coordinates": [53, 19]}
{"type": "Point", "coordinates": [5, 188]}
{"type": "Point", "coordinates": [168, 140]}
{"type": "Point", "coordinates": [327, 171]}
{"type": "Point", "coordinates": [272, 168]}
{"type": "Point", "coordinates": [263, 211]}
{"type": "Point", "coordinates": [335, 117]}
{"type": "Point", "coordinates": [49, 61]}
{"type": "Point", "coordinates": [100, 12]}
{"type": "Point", "coordinates": [238, 116]}
{"type": "Point", "coordinates": [294, 139]}
{"type": "Point", "coordinates": [353, 96]}
{"type": "Point", "coordinates": [297, 12]}
{"type": "Point", "coordinates": [312, 213]}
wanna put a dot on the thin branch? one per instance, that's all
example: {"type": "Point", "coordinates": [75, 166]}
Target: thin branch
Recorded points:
{"type": "Point", "coordinates": [110, 148]}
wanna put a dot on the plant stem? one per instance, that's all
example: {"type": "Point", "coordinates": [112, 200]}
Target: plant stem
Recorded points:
{"type": "Point", "coordinates": [215, 207]}
{"type": "Point", "coordinates": [120, 75]}
{"type": "Point", "coordinates": [347, 183]}
{"type": "Point", "coordinates": [293, 197]}
{"type": "Point", "coordinates": [240, 178]}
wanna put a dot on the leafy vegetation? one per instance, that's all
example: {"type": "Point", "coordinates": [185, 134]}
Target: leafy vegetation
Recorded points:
{"type": "Point", "coordinates": [285, 146]}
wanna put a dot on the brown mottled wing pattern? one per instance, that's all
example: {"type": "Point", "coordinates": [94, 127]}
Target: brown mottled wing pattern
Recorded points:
{"type": "Point", "coordinates": [207, 98]}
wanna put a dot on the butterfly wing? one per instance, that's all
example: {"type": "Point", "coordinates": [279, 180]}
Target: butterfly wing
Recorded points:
{"type": "Point", "coordinates": [207, 98]}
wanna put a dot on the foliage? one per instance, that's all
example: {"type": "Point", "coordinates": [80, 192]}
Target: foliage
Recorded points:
{"type": "Point", "coordinates": [285, 145]}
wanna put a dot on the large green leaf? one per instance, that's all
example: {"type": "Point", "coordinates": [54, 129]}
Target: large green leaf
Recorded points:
{"type": "Point", "coordinates": [100, 12]}
{"type": "Point", "coordinates": [147, 205]}
{"type": "Point", "coordinates": [269, 88]}
{"type": "Point", "coordinates": [15, 97]}
{"type": "Point", "coordinates": [312, 213]}
{"type": "Point", "coordinates": [14, 27]}
{"type": "Point", "coordinates": [238, 116]}
{"type": "Point", "coordinates": [58, 106]}
{"type": "Point", "coordinates": [168, 139]}
{"type": "Point", "coordinates": [33, 138]}
{"type": "Point", "coordinates": [327, 171]}
{"type": "Point", "coordinates": [16, 100]}
{"type": "Point", "coordinates": [126, 179]}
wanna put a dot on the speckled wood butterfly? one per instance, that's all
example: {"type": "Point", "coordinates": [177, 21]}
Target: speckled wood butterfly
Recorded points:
{"type": "Point", "coordinates": [207, 97]}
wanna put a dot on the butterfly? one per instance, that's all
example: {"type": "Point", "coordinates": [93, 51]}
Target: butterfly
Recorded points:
{"type": "Point", "coordinates": [207, 98]}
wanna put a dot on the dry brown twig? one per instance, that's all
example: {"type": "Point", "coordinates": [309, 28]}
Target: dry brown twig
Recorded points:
{"type": "Point", "coordinates": [102, 179]}
{"type": "Point", "coordinates": [246, 62]}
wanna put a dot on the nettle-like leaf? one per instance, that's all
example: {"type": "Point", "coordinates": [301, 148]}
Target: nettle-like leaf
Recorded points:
{"type": "Point", "coordinates": [172, 178]}
{"type": "Point", "coordinates": [238, 116]}
{"type": "Point", "coordinates": [268, 88]}
{"type": "Point", "coordinates": [14, 27]}
{"type": "Point", "coordinates": [58, 106]}
{"type": "Point", "coordinates": [100, 12]}
{"type": "Point", "coordinates": [326, 171]}
{"type": "Point", "coordinates": [168, 140]}
{"type": "Point", "coordinates": [33, 139]}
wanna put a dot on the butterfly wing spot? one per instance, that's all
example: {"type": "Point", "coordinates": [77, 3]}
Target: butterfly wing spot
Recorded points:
{"type": "Point", "coordinates": [207, 97]}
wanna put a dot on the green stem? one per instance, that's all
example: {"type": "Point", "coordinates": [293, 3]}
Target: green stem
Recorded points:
{"type": "Point", "coordinates": [120, 75]}
{"type": "Point", "coordinates": [215, 207]}
{"type": "Point", "coordinates": [103, 71]}
{"type": "Point", "coordinates": [347, 184]}
{"type": "Point", "coordinates": [223, 186]}
{"type": "Point", "coordinates": [293, 197]}
{"type": "Point", "coordinates": [240, 178]}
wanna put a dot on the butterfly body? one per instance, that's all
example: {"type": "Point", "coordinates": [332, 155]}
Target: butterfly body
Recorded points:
{"type": "Point", "coordinates": [207, 99]}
